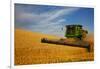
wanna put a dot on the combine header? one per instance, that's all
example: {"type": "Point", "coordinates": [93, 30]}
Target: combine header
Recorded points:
{"type": "Point", "coordinates": [75, 35]}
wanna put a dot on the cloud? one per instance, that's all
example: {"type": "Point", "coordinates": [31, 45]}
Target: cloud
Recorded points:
{"type": "Point", "coordinates": [57, 13]}
{"type": "Point", "coordinates": [49, 22]}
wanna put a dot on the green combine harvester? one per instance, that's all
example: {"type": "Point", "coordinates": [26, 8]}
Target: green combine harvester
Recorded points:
{"type": "Point", "coordinates": [74, 34]}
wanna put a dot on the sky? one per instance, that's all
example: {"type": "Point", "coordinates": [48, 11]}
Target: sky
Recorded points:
{"type": "Point", "coordinates": [52, 20]}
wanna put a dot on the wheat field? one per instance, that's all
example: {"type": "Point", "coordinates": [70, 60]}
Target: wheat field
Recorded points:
{"type": "Point", "coordinates": [29, 50]}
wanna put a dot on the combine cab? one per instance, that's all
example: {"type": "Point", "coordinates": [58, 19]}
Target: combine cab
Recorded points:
{"type": "Point", "coordinates": [75, 32]}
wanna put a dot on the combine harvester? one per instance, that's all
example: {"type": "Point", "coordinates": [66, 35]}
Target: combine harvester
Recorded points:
{"type": "Point", "coordinates": [75, 35]}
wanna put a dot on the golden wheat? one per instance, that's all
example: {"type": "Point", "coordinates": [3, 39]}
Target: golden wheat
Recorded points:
{"type": "Point", "coordinates": [30, 50]}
